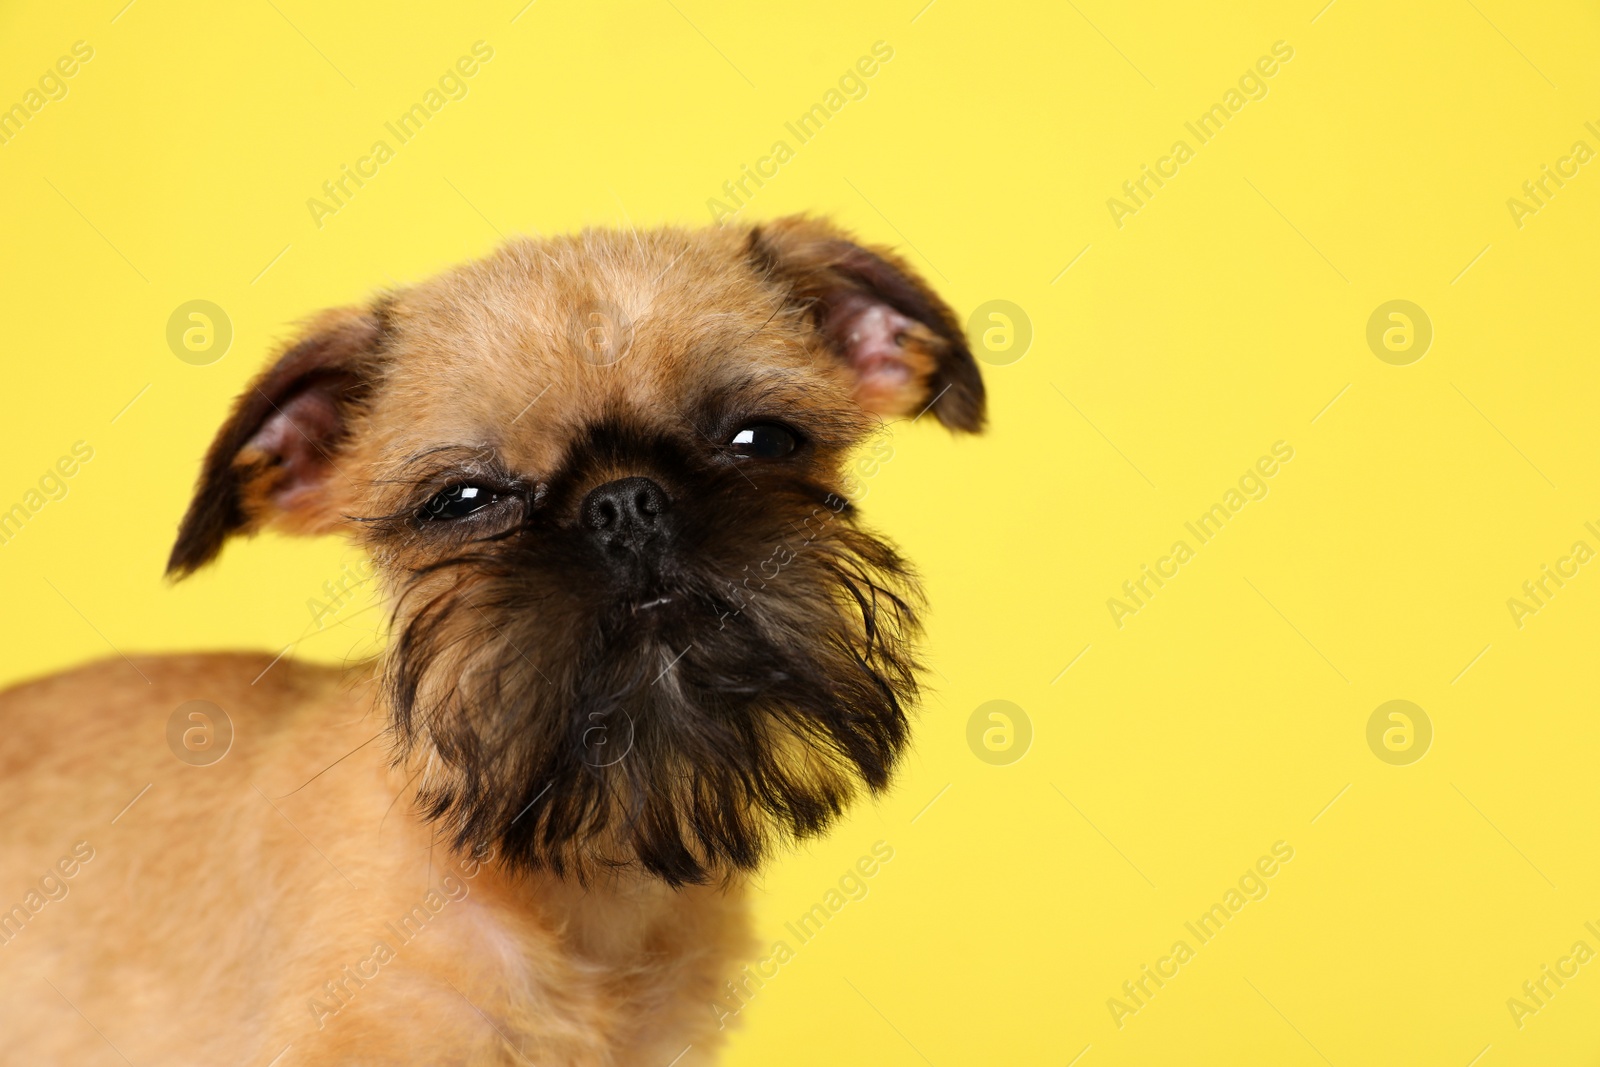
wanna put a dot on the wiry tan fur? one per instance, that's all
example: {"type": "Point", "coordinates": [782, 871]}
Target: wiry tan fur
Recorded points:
{"type": "Point", "coordinates": [217, 907]}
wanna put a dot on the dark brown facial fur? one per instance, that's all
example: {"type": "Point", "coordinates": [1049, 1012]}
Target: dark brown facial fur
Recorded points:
{"type": "Point", "coordinates": [636, 620]}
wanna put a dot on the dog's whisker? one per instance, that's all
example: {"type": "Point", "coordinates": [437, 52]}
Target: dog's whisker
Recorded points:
{"type": "Point", "coordinates": [335, 763]}
{"type": "Point", "coordinates": [396, 800]}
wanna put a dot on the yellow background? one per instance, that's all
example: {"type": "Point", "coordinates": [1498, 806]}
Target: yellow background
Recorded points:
{"type": "Point", "coordinates": [1224, 316]}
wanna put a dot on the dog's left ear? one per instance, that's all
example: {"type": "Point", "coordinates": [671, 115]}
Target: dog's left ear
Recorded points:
{"type": "Point", "coordinates": [274, 458]}
{"type": "Point", "coordinates": [904, 343]}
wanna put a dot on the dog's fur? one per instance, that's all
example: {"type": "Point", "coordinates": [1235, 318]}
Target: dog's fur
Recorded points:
{"type": "Point", "coordinates": [572, 751]}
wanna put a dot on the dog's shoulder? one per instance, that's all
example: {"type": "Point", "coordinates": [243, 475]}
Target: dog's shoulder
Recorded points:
{"type": "Point", "coordinates": [243, 676]}
{"type": "Point", "coordinates": [108, 702]}
{"type": "Point", "coordinates": [117, 719]}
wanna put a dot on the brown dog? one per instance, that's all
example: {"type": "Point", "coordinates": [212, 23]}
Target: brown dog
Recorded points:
{"type": "Point", "coordinates": [639, 639]}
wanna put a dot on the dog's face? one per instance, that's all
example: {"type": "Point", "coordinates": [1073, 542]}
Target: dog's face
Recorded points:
{"type": "Point", "coordinates": [636, 620]}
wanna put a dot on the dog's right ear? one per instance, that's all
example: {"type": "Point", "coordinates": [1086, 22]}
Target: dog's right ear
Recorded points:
{"type": "Point", "coordinates": [275, 460]}
{"type": "Point", "coordinates": [881, 319]}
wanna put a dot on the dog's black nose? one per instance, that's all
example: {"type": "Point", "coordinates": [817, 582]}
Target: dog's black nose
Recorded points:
{"type": "Point", "coordinates": [624, 514]}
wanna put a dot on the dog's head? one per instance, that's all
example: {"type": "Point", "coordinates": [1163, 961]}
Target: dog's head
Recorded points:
{"type": "Point", "coordinates": [607, 481]}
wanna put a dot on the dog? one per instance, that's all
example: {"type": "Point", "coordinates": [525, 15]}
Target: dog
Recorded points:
{"type": "Point", "coordinates": [639, 639]}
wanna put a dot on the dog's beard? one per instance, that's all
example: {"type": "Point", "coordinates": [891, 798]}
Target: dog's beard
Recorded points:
{"type": "Point", "coordinates": [577, 730]}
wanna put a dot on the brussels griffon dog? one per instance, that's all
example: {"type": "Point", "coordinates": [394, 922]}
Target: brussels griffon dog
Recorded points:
{"type": "Point", "coordinates": [638, 639]}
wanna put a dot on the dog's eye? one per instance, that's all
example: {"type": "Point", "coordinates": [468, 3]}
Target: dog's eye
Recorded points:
{"type": "Point", "coordinates": [763, 440]}
{"type": "Point", "coordinates": [456, 502]}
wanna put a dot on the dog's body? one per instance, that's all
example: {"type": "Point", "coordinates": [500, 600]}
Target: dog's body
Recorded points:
{"type": "Point", "coordinates": [640, 639]}
{"type": "Point", "coordinates": [206, 929]}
